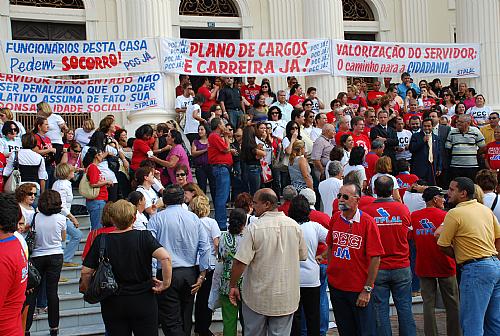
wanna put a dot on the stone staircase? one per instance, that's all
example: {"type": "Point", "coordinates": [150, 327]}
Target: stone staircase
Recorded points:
{"type": "Point", "coordinates": [79, 318]}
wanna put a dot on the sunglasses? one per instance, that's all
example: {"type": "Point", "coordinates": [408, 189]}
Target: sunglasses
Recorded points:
{"type": "Point", "coordinates": [492, 118]}
{"type": "Point", "coordinates": [31, 193]}
{"type": "Point", "coordinates": [180, 175]}
{"type": "Point", "coordinates": [230, 129]}
{"type": "Point", "coordinates": [344, 196]}
{"type": "Point", "coordinates": [275, 113]}
{"type": "Point", "coordinates": [294, 128]}
{"type": "Point", "coordinates": [249, 119]}
{"type": "Point", "coordinates": [308, 104]}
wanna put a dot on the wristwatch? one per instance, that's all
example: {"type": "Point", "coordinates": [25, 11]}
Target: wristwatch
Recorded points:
{"type": "Point", "coordinates": [368, 289]}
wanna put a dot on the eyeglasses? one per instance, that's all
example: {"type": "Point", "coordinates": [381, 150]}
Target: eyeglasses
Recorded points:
{"type": "Point", "coordinates": [180, 175]}
{"type": "Point", "coordinates": [344, 196]}
{"type": "Point", "coordinates": [218, 109]}
{"type": "Point", "coordinates": [249, 119]}
{"type": "Point", "coordinates": [12, 130]}
{"type": "Point", "coordinates": [31, 193]}
{"type": "Point", "coordinates": [275, 113]}
{"type": "Point", "coordinates": [308, 104]}
{"type": "Point", "coordinates": [230, 129]}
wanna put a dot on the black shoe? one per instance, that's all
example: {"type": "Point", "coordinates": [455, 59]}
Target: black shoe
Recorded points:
{"type": "Point", "coordinates": [54, 331]}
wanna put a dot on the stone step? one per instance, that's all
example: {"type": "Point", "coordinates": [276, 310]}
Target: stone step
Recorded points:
{"type": "Point", "coordinates": [69, 287]}
{"type": "Point", "coordinates": [71, 272]}
{"type": "Point", "coordinates": [97, 329]}
{"type": "Point", "coordinates": [70, 318]}
{"type": "Point", "coordinates": [74, 301]}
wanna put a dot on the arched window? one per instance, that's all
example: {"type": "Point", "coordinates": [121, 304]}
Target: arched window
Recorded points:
{"type": "Point", "coordinates": [357, 10]}
{"type": "Point", "coordinates": [208, 8]}
{"type": "Point", "coordinates": [72, 4]}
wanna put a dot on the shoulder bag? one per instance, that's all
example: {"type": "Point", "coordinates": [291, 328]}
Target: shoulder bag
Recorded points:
{"type": "Point", "coordinates": [34, 277]}
{"type": "Point", "coordinates": [14, 179]}
{"type": "Point", "coordinates": [86, 190]}
{"type": "Point", "coordinates": [102, 284]}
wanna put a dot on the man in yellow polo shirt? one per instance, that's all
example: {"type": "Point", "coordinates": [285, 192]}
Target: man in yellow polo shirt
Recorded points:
{"type": "Point", "coordinates": [489, 130]}
{"type": "Point", "coordinates": [471, 234]}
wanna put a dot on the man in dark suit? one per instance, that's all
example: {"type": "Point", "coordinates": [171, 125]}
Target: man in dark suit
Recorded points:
{"type": "Point", "coordinates": [384, 132]}
{"type": "Point", "coordinates": [425, 153]}
{"type": "Point", "coordinates": [441, 131]}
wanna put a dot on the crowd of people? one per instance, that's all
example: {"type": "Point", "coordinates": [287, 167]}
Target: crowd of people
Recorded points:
{"type": "Point", "coordinates": [352, 200]}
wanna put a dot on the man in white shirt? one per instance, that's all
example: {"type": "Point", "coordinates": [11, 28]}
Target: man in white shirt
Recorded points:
{"type": "Point", "coordinates": [329, 188]}
{"type": "Point", "coordinates": [285, 107]}
{"type": "Point", "coordinates": [404, 137]}
{"type": "Point", "coordinates": [321, 120]}
{"type": "Point", "coordinates": [182, 102]}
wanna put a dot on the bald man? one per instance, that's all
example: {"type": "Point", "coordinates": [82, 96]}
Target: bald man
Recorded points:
{"type": "Point", "coordinates": [274, 241]}
{"type": "Point", "coordinates": [322, 147]}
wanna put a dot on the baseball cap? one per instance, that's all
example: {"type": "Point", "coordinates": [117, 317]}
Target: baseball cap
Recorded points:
{"type": "Point", "coordinates": [430, 192]}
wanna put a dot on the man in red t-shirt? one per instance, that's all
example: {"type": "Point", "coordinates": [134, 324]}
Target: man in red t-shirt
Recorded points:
{"type": "Point", "coordinates": [404, 178]}
{"type": "Point", "coordinates": [372, 157]}
{"type": "Point", "coordinates": [221, 159]}
{"type": "Point", "coordinates": [343, 129]}
{"type": "Point", "coordinates": [354, 250]}
{"type": "Point", "coordinates": [433, 267]}
{"type": "Point", "coordinates": [492, 153]}
{"type": "Point", "coordinates": [330, 116]}
{"type": "Point", "coordinates": [394, 276]}
{"type": "Point", "coordinates": [359, 138]}
{"type": "Point", "coordinates": [370, 121]}
{"type": "Point", "coordinates": [374, 96]}
{"type": "Point", "coordinates": [412, 112]}
{"type": "Point", "coordinates": [250, 91]}
{"type": "Point", "coordinates": [13, 269]}
{"type": "Point", "coordinates": [289, 192]}
{"type": "Point", "coordinates": [183, 79]}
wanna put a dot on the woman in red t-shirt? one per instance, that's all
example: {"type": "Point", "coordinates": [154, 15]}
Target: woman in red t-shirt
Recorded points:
{"type": "Point", "coordinates": [210, 96]}
{"type": "Point", "coordinates": [141, 150]}
{"type": "Point", "coordinates": [44, 147]}
{"type": "Point", "coordinates": [95, 206]}
{"type": "Point", "coordinates": [296, 96]}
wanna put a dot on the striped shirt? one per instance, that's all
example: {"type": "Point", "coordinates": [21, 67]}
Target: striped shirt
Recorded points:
{"type": "Point", "coordinates": [464, 147]}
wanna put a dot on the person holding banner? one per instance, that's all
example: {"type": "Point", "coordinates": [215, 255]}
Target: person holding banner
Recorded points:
{"type": "Point", "coordinates": [231, 101]}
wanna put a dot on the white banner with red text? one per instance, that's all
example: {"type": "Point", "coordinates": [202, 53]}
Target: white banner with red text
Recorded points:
{"type": "Point", "coordinates": [131, 93]}
{"type": "Point", "coordinates": [54, 58]}
{"type": "Point", "coordinates": [246, 57]}
{"type": "Point", "coordinates": [390, 59]}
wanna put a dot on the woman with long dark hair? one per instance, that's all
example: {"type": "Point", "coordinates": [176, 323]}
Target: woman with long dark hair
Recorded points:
{"type": "Point", "coordinates": [259, 109]}
{"type": "Point", "coordinates": [199, 151]}
{"type": "Point", "coordinates": [251, 153]}
{"type": "Point", "coordinates": [44, 148]}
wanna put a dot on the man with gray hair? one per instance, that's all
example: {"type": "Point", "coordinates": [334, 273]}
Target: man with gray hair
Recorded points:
{"type": "Point", "coordinates": [329, 188]}
{"type": "Point", "coordinates": [372, 157]}
{"type": "Point", "coordinates": [289, 193]}
{"type": "Point", "coordinates": [285, 107]}
{"type": "Point", "coordinates": [322, 147]}
{"type": "Point", "coordinates": [464, 143]}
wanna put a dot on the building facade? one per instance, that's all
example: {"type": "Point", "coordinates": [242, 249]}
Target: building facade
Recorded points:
{"type": "Point", "coordinates": [433, 21]}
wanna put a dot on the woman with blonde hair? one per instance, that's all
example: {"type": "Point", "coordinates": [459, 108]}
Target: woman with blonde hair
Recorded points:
{"type": "Point", "coordinates": [6, 115]}
{"type": "Point", "coordinates": [299, 169]}
{"type": "Point", "coordinates": [83, 134]}
{"type": "Point", "coordinates": [191, 191]}
{"type": "Point", "coordinates": [129, 252]}
{"type": "Point", "coordinates": [383, 167]}
{"type": "Point", "coordinates": [202, 314]}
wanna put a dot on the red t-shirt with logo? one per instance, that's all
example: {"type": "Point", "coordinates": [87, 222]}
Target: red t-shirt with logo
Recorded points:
{"type": "Point", "coordinates": [430, 262]}
{"type": "Point", "coordinates": [249, 92]}
{"type": "Point", "coordinates": [393, 221]}
{"type": "Point", "coordinates": [330, 116]}
{"type": "Point", "coordinates": [405, 180]}
{"type": "Point", "coordinates": [356, 103]}
{"type": "Point", "coordinates": [352, 246]}
{"type": "Point", "coordinates": [407, 116]}
{"type": "Point", "coordinates": [363, 201]}
{"type": "Point", "coordinates": [295, 100]}
{"type": "Point", "coordinates": [370, 160]}
{"type": "Point", "coordinates": [493, 154]}
{"type": "Point", "coordinates": [428, 102]}
{"type": "Point", "coordinates": [339, 135]}
{"type": "Point", "coordinates": [323, 219]}
{"type": "Point", "coordinates": [216, 148]}
{"type": "Point", "coordinates": [362, 140]}
{"type": "Point", "coordinates": [205, 92]}
{"type": "Point", "coordinates": [14, 275]}
{"type": "Point", "coordinates": [372, 95]}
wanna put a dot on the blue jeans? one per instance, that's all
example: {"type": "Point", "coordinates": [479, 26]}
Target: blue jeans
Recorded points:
{"type": "Point", "coordinates": [324, 309]}
{"type": "Point", "coordinates": [72, 245]}
{"type": "Point", "coordinates": [251, 177]}
{"type": "Point", "coordinates": [204, 175]}
{"type": "Point", "coordinates": [480, 298]}
{"type": "Point", "coordinates": [234, 117]}
{"type": "Point", "coordinates": [397, 282]}
{"type": "Point", "coordinates": [95, 208]}
{"type": "Point", "coordinates": [222, 187]}
{"type": "Point", "coordinates": [415, 281]}
{"type": "Point", "coordinates": [236, 182]}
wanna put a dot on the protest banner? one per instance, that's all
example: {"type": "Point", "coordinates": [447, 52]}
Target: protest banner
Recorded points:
{"type": "Point", "coordinates": [389, 59]}
{"type": "Point", "coordinates": [21, 93]}
{"type": "Point", "coordinates": [246, 57]}
{"type": "Point", "coordinates": [52, 58]}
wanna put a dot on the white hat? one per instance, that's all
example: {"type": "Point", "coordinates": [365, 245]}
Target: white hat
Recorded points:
{"type": "Point", "coordinates": [309, 194]}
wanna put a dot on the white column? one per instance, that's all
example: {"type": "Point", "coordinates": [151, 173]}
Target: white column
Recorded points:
{"type": "Point", "coordinates": [479, 22]}
{"type": "Point", "coordinates": [324, 19]}
{"type": "Point", "coordinates": [415, 16]}
{"type": "Point", "coordinates": [5, 34]}
{"type": "Point", "coordinates": [148, 18]}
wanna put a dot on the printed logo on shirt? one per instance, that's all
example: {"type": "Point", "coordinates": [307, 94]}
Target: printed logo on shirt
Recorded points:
{"type": "Point", "coordinates": [24, 273]}
{"type": "Point", "coordinates": [428, 227]}
{"type": "Point", "coordinates": [402, 184]}
{"type": "Point", "coordinates": [386, 219]}
{"type": "Point", "coordinates": [345, 239]}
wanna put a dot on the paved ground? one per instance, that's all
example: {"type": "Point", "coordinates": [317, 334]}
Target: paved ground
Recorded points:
{"type": "Point", "coordinates": [419, 319]}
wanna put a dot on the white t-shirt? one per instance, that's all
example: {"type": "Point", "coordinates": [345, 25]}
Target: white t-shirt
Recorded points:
{"type": "Point", "coordinates": [191, 123]}
{"type": "Point", "coordinates": [328, 189]}
{"type": "Point", "coordinates": [267, 148]}
{"type": "Point", "coordinates": [213, 231]}
{"type": "Point", "coordinates": [413, 201]}
{"type": "Point", "coordinates": [63, 187]}
{"type": "Point", "coordinates": [315, 133]}
{"type": "Point", "coordinates": [404, 140]}
{"type": "Point", "coordinates": [54, 133]}
{"type": "Point", "coordinates": [49, 234]}
{"type": "Point", "coordinates": [376, 176]}
{"type": "Point", "coordinates": [183, 102]}
{"type": "Point", "coordinates": [22, 130]}
{"type": "Point", "coordinates": [488, 200]}
{"type": "Point", "coordinates": [480, 114]}
{"type": "Point", "coordinates": [451, 110]}
{"type": "Point", "coordinates": [141, 222]}
{"type": "Point", "coordinates": [8, 146]}
{"type": "Point", "coordinates": [27, 214]}
{"type": "Point", "coordinates": [348, 168]}
{"type": "Point", "coordinates": [313, 233]}
{"type": "Point", "coordinates": [279, 128]}
{"type": "Point", "coordinates": [149, 194]}
{"type": "Point", "coordinates": [83, 137]}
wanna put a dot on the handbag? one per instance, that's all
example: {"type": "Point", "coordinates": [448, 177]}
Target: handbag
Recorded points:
{"type": "Point", "coordinates": [34, 277]}
{"type": "Point", "coordinates": [30, 238]}
{"type": "Point", "coordinates": [86, 190]}
{"type": "Point", "coordinates": [265, 173]}
{"type": "Point", "coordinates": [14, 179]}
{"type": "Point", "coordinates": [102, 283]}
{"type": "Point", "coordinates": [279, 158]}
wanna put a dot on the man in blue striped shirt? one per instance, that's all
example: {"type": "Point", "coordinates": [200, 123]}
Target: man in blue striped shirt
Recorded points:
{"type": "Point", "coordinates": [183, 235]}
